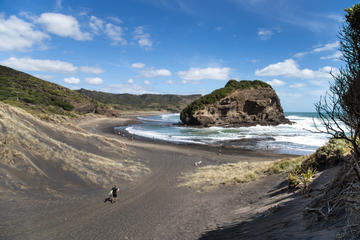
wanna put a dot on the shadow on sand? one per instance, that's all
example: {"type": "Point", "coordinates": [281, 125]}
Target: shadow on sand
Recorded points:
{"type": "Point", "coordinates": [285, 221]}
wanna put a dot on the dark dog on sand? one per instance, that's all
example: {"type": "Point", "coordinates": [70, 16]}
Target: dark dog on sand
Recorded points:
{"type": "Point", "coordinates": [108, 199]}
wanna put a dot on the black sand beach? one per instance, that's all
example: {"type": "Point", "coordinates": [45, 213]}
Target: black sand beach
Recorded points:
{"type": "Point", "coordinates": [153, 206]}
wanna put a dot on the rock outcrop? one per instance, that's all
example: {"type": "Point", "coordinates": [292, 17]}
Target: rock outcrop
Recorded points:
{"type": "Point", "coordinates": [244, 103]}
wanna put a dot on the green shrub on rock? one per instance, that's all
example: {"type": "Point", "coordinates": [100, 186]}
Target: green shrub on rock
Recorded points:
{"type": "Point", "coordinates": [218, 94]}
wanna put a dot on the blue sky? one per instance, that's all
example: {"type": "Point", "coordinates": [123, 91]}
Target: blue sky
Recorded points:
{"type": "Point", "coordinates": [176, 46]}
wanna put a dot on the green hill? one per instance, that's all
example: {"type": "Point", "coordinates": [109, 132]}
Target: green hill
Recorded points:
{"type": "Point", "coordinates": [26, 91]}
{"type": "Point", "coordinates": [167, 102]}
{"type": "Point", "coordinates": [36, 95]}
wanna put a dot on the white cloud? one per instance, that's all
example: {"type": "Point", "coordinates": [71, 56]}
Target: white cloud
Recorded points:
{"type": "Point", "coordinates": [138, 65]}
{"type": "Point", "coordinates": [112, 31]}
{"type": "Point", "coordinates": [72, 80]}
{"type": "Point", "coordinates": [127, 88]}
{"type": "Point", "coordinates": [28, 15]}
{"type": "Point", "coordinates": [276, 82]}
{"type": "Point", "coordinates": [96, 24]}
{"type": "Point", "coordinates": [289, 68]}
{"type": "Point", "coordinates": [94, 81]}
{"type": "Point", "coordinates": [142, 38]}
{"type": "Point", "coordinates": [289, 94]}
{"type": "Point", "coordinates": [130, 80]}
{"type": "Point", "coordinates": [115, 19]}
{"type": "Point", "coordinates": [326, 47]}
{"type": "Point", "coordinates": [336, 17]}
{"type": "Point", "coordinates": [92, 70]}
{"type": "Point", "coordinates": [62, 25]}
{"type": "Point", "coordinates": [320, 83]}
{"type": "Point", "coordinates": [318, 92]}
{"type": "Point", "coordinates": [196, 74]}
{"type": "Point", "coordinates": [170, 82]}
{"type": "Point", "coordinates": [264, 34]}
{"type": "Point", "coordinates": [58, 4]}
{"type": "Point", "coordinates": [300, 54]}
{"type": "Point", "coordinates": [16, 34]}
{"type": "Point", "coordinates": [152, 72]}
{"type": "Point", "coordinates": [29, 64]}
{"type": "Point", "coordinates": [115, 33]}
{"type": "Point", "coordinates": [321, 48]}
{"type": "Point", "coordinates": [297, 85]}
{"type": "Point", "coordinates": [336, 56]}
{"type": "Point", "coordinates": [147, 82]}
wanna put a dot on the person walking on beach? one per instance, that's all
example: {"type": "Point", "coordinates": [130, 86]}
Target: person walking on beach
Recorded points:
{"type": "Point", "coordinates": [112, 194]}
{"type": "Point", "coordinates": [115, 191]}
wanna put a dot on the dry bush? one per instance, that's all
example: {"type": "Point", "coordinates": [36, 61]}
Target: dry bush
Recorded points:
{"type": "Point", "coordinates": [339, 203]}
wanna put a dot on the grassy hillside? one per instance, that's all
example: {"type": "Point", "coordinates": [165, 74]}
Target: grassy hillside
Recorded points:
{"type": "Point", "coordinates": [168, 102]}
{"type": "Point", "coordinates": [26, 91]}
{"type": "Point", "coordinates": [220, 93]}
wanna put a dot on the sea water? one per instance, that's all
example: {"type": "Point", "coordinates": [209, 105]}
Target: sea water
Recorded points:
{"type": "Point", "coordinates": [298, 138]}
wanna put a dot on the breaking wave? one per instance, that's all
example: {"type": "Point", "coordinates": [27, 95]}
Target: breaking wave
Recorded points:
{"type": "Point", "coordinates": [293, 139]}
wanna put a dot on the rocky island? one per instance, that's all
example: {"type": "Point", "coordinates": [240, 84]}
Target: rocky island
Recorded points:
{"type": "Point", "coordinates": [243, 103]}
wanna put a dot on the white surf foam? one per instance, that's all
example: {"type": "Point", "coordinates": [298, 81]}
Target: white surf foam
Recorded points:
{"type": "Point", "coordinates": [295, 138]}
{"type": "Point", "coordinates": [169, 118]}
{"type": "Point", "coordinates": [159, 136]}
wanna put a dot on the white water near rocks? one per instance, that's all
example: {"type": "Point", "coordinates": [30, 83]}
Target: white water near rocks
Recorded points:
{"type": "Point", "coordinates": [291, 139]}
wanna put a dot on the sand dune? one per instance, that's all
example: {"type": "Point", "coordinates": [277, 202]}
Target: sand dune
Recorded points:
{"type": "Point", "coordinates": [61, 155]}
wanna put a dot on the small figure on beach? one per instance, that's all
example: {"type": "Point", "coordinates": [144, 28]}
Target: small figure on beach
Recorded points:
{"type": "Point", "coordinates": [112, 194]}
{"type": "Point", "coordinates": [196, 164]}
{"type": "Point", "coordinates": [115, 191]}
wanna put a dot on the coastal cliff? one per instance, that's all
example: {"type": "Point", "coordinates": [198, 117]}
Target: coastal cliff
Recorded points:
{"type": "Point", "coordinates": [244, 103]}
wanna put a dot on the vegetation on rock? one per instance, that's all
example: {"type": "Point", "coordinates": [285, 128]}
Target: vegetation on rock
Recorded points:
{"type": "Point", "coordinates": [218, 94]}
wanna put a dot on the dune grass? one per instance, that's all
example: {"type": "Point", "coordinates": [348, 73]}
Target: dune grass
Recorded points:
{"type": "Point", "coordinates": [211, 177]}
{"type": "Point", "coordinates": [31, 146]}
{"type": "Point", "coordinates": [208, 178]}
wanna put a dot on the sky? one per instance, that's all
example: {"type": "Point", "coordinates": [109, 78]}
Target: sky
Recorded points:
{"type": "Point", "coordinates": [177, 46]}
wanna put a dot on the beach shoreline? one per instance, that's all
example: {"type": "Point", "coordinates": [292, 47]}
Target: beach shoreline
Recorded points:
{"type": "Point", "coordinates": [107, 127]}
{"type": "Point", "coordinates": [293, 140]}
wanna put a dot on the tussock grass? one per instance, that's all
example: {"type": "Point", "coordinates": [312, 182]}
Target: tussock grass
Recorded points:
{"type": "Point", "coordinates": [210, 177]}
{"type": "Point", "coordinates": [285, 165]}
{"type": "Point", "coordinates": [32, 146]}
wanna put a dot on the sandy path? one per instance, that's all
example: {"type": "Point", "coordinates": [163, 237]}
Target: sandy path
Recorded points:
{"type": "Point", "coordinates": [152, 208]}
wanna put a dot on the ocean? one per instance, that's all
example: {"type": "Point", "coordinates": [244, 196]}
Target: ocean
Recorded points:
{"type": "Point", "coordinates": [290, 139]}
